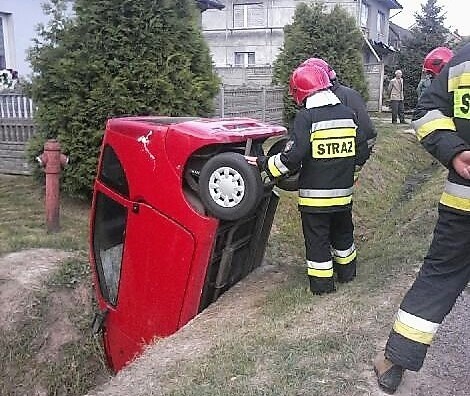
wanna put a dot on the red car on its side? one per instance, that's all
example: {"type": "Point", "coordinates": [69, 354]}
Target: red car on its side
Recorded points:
{"type": "Point", "coordinates": [178, 217]}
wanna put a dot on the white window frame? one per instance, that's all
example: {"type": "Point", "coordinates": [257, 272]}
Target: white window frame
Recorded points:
{"type": "Point", "coordinates": [365, 11]}
{"type": "Point", "coordinates": [246, 58]}
{"type": "Point", "coordinates": [244, 7]}
{"type": "Point", "coordinates": [8, 40]}
{"type": "Point", "coordinates": [380, 24]}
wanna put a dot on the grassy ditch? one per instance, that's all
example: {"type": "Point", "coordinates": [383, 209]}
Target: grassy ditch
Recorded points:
{"type": "Point", "coordinates": [293, 344]}
{"type": "Point", "coordinates": [307, 345]}
{"type": "Point", "coordinates": [50, 349]}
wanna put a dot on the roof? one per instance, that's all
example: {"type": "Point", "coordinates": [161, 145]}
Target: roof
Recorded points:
{"type": "Point", "coordinates": [401, 32]}
{"type": "Point", "coordinates": [210, 5]}
{"type": "Point", "coordinates": [391, 4]}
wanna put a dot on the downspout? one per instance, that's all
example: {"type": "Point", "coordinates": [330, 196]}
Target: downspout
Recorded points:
{"type": "Point", "coordinates": [371, 48]}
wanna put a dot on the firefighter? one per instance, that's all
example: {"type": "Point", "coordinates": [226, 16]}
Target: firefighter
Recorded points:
{"type": "Point", "coordinates": [433, 63]}
{"type": "Point", "coordinates": [326, 143]}
{"type": "Point", "coordinates": [442, 124]}
{"type": "Point", "coordinates": [349, 97]}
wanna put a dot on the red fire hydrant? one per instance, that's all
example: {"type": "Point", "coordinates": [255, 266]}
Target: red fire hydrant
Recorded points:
{"type": "Point", "coordinates": [52, 160]}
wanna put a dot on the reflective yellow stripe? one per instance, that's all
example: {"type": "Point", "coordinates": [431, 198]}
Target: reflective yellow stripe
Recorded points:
{"type": "Point", "coordinates": [320, 273]}
{"type": "Point", "coordinates": [413, 334]}
{"type": "Point", "coordinates": [322, 202]}
{"type": "Point", "coordinates": [455, 202]}
{"type": "Point", "coordinates": [273, 168]}
{"type": "Point", "coordinates": [431, 126]}
{"type": "Point", "coordinates": [459, 81]}
{"type": "Point", "coordinates": [333, 133]}
{"type": "Point", "coordinates": [346, 260]}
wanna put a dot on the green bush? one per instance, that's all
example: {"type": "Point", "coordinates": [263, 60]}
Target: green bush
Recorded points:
{"type": "Point", "coordinates": [332, 36]}
{"type": "Point", "coordinates": [115, 58]}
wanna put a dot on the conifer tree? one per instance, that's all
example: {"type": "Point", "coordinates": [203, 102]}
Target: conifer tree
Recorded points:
{"type": "Point", "coordinates": [332, 36]}
{"type": "Point", "coordinates": [428, 33]}
{"type": "Point", "coordinates": [115, 58]}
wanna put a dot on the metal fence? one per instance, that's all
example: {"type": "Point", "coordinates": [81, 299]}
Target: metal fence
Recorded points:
{"type": "Point", "coordinates": [16, 118]}
{"type": "Point", "coordinates": [264, 103]}
{"type": "Point", "coordinates": [16, 128]}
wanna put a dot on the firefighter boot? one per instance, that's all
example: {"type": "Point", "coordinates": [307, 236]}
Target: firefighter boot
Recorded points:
{"type": "Point", "coordinates": [321, 285]}
{"type": "Point", "coordinates": [345, 272]}
{"type": "Point", "coordinates": [389, 375]}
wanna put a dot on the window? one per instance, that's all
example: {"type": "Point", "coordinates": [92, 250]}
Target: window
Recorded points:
{"type": "Point", "coordinates": [3, 64]}
{"type": "Point", "coordinates": [112, 173]}
{"type": "Point", "coordinates": [364, 14]}
{"type": "Point", "coordinates": [108, 243]}
{"type": "Point", "coordinates": [244, 59]}
{"type": "Point", "coordinates": [380, 24]}
{"type": "Point", "coordinates": [248, 15]}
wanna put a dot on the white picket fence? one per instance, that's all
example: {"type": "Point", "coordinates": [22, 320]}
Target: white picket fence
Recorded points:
{"type": "Point", "coordinates": [16, 128]}
{"type": "Point", "coordinates": [16, 118]}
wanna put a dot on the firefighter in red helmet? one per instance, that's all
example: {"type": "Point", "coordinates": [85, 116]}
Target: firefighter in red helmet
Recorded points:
{"type": "Point", "coordinates": [433, 63]}
{"type": "Point", "coordinates": [327, 144]}
{"type": "Point", "coordinates": [349, 97]}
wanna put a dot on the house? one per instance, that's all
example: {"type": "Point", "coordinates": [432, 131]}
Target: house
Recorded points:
{"type": "Point", "coordinates": [18, 20]}
{"type": "Point", "coordinates": [247, 35]}
{"type": "Point", "coordinates": [250, 32]}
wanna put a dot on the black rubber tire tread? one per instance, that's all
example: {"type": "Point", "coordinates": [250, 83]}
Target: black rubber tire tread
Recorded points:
{"type": "Point", "coordinates": [251, 177]}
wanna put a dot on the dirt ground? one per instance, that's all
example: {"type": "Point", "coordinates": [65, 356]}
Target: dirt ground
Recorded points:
{"type": "Point", "coordinates": [445, 372]}
{"type": "Point", "coordinates": [20, 274]}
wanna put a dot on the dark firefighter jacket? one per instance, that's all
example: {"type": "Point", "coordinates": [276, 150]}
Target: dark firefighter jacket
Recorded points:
{"type": "Point", "coordinates": [327, 144]}
{"type": "Point", "coordinates": [442, 124]}
{"type": "Point", "coordinates": [353, 99]}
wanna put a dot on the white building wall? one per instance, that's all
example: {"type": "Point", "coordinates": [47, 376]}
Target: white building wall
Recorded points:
{"type": "Point", "coordinates": [24, 16]}
{"type": "Point", "coordinates": [265, 41]}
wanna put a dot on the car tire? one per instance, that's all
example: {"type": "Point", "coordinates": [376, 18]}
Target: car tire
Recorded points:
{"type": "Point", "coordinates": [229, 187]}
{"type": "Point", "coordinates": [289, 182]}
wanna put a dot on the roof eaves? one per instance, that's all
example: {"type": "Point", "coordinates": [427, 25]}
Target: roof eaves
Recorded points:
{"type": "Point", "coordinates": [392, 4]}
{"type": "Point", "coordinates": [210, 5]}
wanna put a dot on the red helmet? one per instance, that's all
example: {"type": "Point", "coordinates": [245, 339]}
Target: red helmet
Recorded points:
{"type": "Point", "coordinates": [306, 80]}
{"type": "Point", "coordinates": [321, 63]}
{"type": "Point", "coordinates": [437, 59]}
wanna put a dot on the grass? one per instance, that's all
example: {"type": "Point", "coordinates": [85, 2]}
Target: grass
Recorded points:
{"type": "Point", "coordinates": [65, 299]}
{"type": "Point", "coordinates": [298, 344]}
{"type": "Point", "coordinates": [22, 218]}
{"type": "Point", "coordinates": [308, 345]}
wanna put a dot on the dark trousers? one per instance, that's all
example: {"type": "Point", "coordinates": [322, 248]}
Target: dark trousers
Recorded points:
{"type": "Point", "coordinates": [398, 110]}
{"type": "Point", "coordinates": [441, 279]}
{"type": "Point", "coordinates": [329, 244]}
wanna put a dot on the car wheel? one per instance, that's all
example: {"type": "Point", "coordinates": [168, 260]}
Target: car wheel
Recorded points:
{"type": "Point", "coordinates": [289, 182]}
{"type": "Point", "coordinates": [229, 187]}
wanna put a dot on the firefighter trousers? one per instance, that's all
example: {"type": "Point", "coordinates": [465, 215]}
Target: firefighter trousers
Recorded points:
{"type": "Point", "coordinates": [441, 279]}
{"type": "Point", "coordinates": [329, 247]}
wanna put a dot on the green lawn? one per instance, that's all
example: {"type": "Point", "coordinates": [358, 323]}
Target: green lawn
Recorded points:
{"type": "Point", "coordinates": [64, 301]}
{"type": "Point", "coordinates": [308, 345]}
{"type": "Point", "coordinates": [22, 218]}
{"type": "Point", "coordinates": [296, 344]}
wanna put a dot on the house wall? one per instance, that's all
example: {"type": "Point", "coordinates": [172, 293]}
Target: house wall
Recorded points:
{"type": "Point", "coordinates": [372, 32]}
{"type": "Point", "coordinates": [23, 16]}
{"type": "Point", "coordinates": [265, 41]}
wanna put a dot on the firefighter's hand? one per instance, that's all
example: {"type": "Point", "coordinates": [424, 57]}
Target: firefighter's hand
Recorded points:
{"type": "Point", "coordinates": [461, 164]}
{"type": "Point", "coordinates": [251, 160]}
